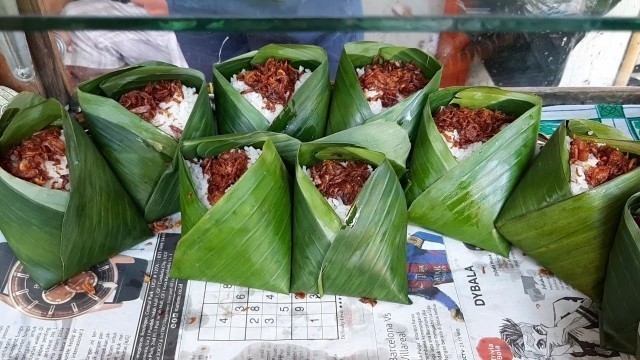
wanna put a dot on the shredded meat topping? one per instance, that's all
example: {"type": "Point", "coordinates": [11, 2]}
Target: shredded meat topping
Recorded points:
{"type": "Point", "coordinates": [342, 180]}
{"type": "Point", "coordinates": [224, 170]}
{"type": "Point", "coordinates": [275, 81]}
{"type": "Point", "coordinates": [146, 102]}
{"type": "Point", "coordinates": [471, 125]}
{"type": "Point", "coordinates": [611, 161]}
{"type": "Point", "coordinates": [27, 160]}
{"type": "Point", "coordinates": [372, 302]}
{"type": "Point", "coordinates": [392, 80]}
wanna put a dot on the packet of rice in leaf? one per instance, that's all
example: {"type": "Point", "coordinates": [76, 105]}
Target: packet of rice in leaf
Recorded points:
{"type": "Point", "coordinates": [350, 217]}
{"type": "Point", "coordinates": [138, 116]}
{"type": "Point", "coordinates": [620, 312]}
{"type": "Point", "coordinates": [377, 81]}
{"type": "Point", "coordinates": [62, 210]}
{"type": "Point", "coordinates": [278, 88]}
{"type": "Point", "coordinates": [565, 210]}
{"type": "Point", "coordinates": [473, 146]}
{"type": "Point", "coordinates": [236, 211]}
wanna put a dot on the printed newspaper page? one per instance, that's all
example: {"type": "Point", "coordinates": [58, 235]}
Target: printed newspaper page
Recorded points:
{"type": "Point", "coordinates": [467, 304]}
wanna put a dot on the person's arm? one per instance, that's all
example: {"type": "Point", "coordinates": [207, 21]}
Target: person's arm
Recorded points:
{"type": "Point", "coordinates": [153, 7]}
{"type": "Point", "coordinates": [139, 46]}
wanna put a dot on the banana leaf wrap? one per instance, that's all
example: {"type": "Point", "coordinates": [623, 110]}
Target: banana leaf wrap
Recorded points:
{"type": "Point", "coordinates": [569, 235]}
{"type": "Point", "coordinates": [245, 238]}
{"type": "Point", "coordinates": [620, 312]}
{"type": "Point", "coordinates": [366, 257]}
{"type": "Point", "coordinates": [142, 156]}
{"type": "Point", "coordinates": [304, 117]}
{"type": "Point", "coordinates": [56, 234]}
{"type": "Point", "coordinates": [463, 199]}
{"type": "Point", "coordinates": [349, 106]}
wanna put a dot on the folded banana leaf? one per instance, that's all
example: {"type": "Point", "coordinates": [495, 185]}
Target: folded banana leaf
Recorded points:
{"type": "Point", "coordinates": [54, 233]}
{"type": "Point", "coordinates": [245, 238]}
{"type": "Point", "coordinates": [462, 200]}
{"type": "Point", "coordinates": [349, 106]}
{"type": "Point", "coordinates": [371, 243]}
{"type": "Point", "coordinates": [304, 117]}
{"type": "Point", "coordinates": [143, 157]}
{"type": "Point", "coordinates": [569, 235]}
{"type": "Point", "coordinates": [620, 312]}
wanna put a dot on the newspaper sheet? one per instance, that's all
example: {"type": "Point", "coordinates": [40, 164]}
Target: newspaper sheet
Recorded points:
{"type": "Point", "coordinates": [467, 304]}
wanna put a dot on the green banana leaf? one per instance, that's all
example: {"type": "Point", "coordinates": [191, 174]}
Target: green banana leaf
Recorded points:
{"type": "Point", "coordinates": [210, 146]}
{"type": "Point", "coordinates": [620, 313]}
{"type": "Point", "coordinates": [383, 137]}
{"type": "Point", "coordinates": [304, 117]}
{"type": "Point", "coordinates": [143, 157]}
{"type": "Point", "coordinates": [245, 238]}
{"type": "Point", "coordinates": [462, 200]}
{"type": "Point", "coordinates": [569, 235]}
{"type": "Point", "coordinates": [349, 107]}
{"type": "Point", "coordinates": [57, 234]}
{"type": "Point", "coordinates": [327, 252]}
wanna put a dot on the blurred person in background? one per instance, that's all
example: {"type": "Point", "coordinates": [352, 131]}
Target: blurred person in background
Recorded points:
{"type": "Point", "coordinates": [514, 59]}
{"type": "Point", "coordinates": [203, 49]}
{"type": "Point", "coordinates": [88, 54]}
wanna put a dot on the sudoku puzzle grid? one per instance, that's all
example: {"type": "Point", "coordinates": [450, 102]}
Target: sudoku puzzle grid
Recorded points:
{"type": "Point", "coordinates": [237, 313]}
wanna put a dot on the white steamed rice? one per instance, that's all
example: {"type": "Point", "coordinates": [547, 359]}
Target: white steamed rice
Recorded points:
{"type": "Point", "coordinates": [578, 182]}
{"type": "Point", "coordinates": [459, 153]}
{"type": "Point", "coordinates": [340, 208]}
{"type": "Point", "coordinates": [175, 112]}
{"type": "Point", "coordinates": [375, 105]}
{"type": "Point", "coordinates": [56, 171]}
{"type": "Point", "coordinates": [258, 101]}
{"type": "Point", "coordinates": [201, 181]}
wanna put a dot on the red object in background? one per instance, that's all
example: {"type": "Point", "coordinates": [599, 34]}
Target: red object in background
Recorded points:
{"type": "Point", "coordinates": [494, 348]}
{"type": "Point", "coordinates": [450, 46]}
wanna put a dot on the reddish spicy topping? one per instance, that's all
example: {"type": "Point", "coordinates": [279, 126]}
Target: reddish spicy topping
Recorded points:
{"type": "Point", "coordinates": [224, 170]}
{"type": "Point", "coordinates": [342, 180]}
{"type": "Point", "coordinates": [390, 79]}
{"type": "Point", "coordinates": [275, 81]}
{"type": "Point", "coordinates": [27, 160]}
{"type": "Point", "coordinates": [611, 161]}
{"type": "Point", "coordinates": [472, 125]}
{"type": "Point", "coordinates": [146, 102]}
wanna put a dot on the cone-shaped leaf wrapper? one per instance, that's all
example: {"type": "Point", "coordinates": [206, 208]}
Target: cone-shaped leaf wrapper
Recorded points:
{"type": "Point", "coordinates": [365, 256]}
{"type": "Point", "coordinates": [349, 106]}
{"type": "Point", "coordinates": [142, 156]}
{"type": "Point", "coordinates": [620, 312]}
{"type": "Point", "coordinates": [304, 117]}
{"type": "Point", "coordinates": [462, 199]}
{"type": "Point", "coordinates": [569, 235]}
{"type": "Point", "coordinates": [245, 238]}
{"type": "Point", "coordinates": [56, 233]}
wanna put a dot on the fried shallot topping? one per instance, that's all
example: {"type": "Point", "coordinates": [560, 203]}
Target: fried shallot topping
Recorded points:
{"type": "Point", "coordinates": [611, 161]}
{"type": "Point", "coordinates": [224, 170]}
{"type": "Point", "coordinates": [344, 180]}
{"type": "Point", "coordinates": [464, 126]}
{"type": "Point", "coordinates": [391, 81]}
{"type": "Point", "coordinates": [33, 159]}
{"type": "Point", "coordinates": [146, 102]}
{"type": "Point", "coordinates": [275, 81]}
